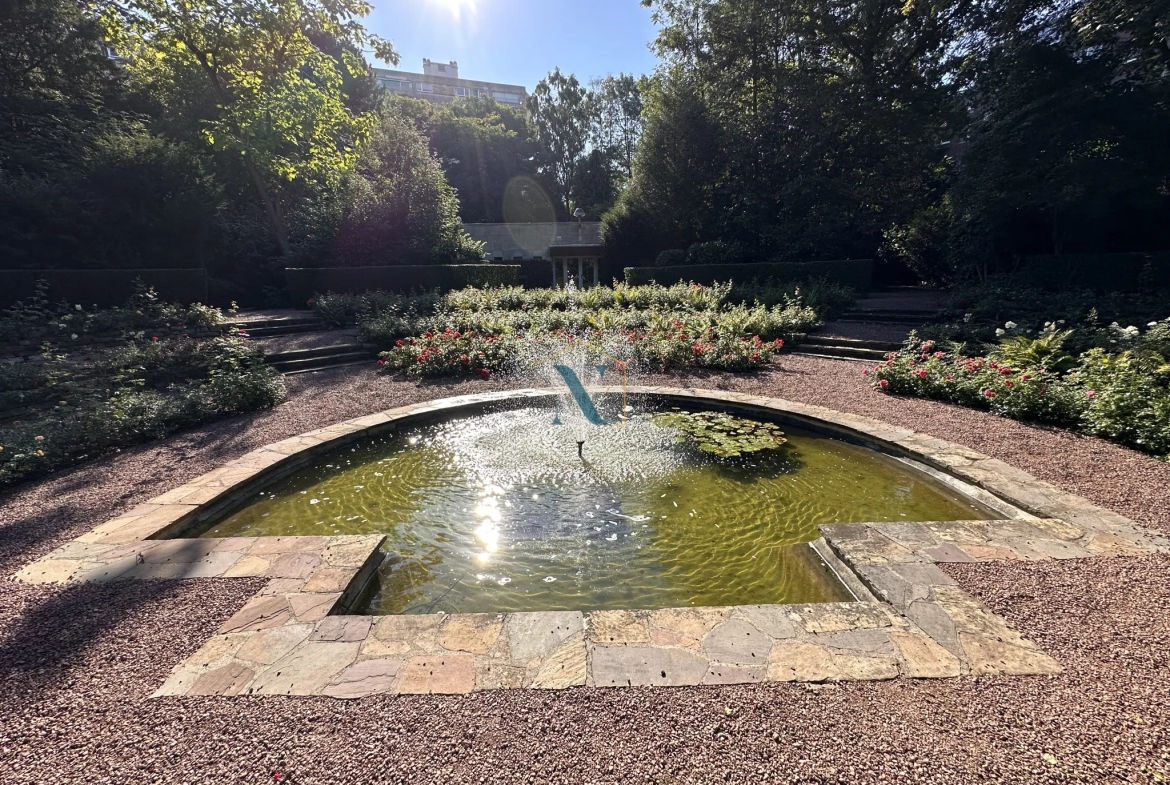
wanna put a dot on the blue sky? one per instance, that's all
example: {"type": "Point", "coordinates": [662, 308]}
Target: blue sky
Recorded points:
{"type": "Point", "coordinates": [519, 41]}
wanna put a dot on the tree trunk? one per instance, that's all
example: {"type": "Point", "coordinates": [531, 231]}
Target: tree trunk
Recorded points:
{"type": "Point", "coordinates": [273, 210]}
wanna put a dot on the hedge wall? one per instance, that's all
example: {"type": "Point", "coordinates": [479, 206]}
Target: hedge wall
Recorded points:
{"type": "Point", "coordinates": [304, 282]}
{"type": "Point", "coordinates": [857, 273]}
{"type": "Point", "coordinates": [1115, 272]}
{"type": "Point", "coordinates": [104, 287]}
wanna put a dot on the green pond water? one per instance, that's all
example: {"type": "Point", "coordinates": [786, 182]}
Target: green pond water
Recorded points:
{"type": "Point", "coordinates": [496, 512]}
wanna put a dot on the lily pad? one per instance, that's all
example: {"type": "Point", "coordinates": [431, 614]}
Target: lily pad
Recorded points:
{"type": "Point", "coordinates": [722, 434]}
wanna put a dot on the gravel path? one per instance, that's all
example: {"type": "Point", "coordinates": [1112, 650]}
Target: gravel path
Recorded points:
{"type": "Point", "coordinates": [78, 662]}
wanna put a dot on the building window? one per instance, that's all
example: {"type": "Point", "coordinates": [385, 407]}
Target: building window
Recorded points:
{"type": "Point", "coordinates": [397, 85]}
{"type": "Point", "coordinates": [426, 88]}
{"type": "Point", "coordinates": [461, 92]}
{"type": "Point", "coordinates": [506, 98]}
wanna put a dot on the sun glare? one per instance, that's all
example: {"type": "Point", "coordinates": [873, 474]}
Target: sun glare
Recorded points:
{"type": "Point", "coordinates": [457, 7]}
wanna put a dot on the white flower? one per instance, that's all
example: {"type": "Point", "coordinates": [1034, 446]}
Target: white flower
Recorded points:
{"type": "Point", "coordinates": [1060, 321]}
{"type": "Point", "coordinates": [1132, 331]}
{"type": "Point", "coordinates": [1152, 324]}
{"type": "Point", "coordinates": [1000, 332]}
{"type": "Point", "coordinates": [967, 317]}
{"type": "Point", "coordinates": [74, 336]}
{"type": "Point", "coordinates": [1011, 325]}
{"type": "Point", "coordinates": [78, 307]}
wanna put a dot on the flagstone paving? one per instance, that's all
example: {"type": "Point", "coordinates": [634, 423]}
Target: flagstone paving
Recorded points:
{"type": "Point", "coordinates": [298, 635]}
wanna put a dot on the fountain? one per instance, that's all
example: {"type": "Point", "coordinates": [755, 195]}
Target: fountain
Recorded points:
{"type": "Point", "coordinates": [489, 509]}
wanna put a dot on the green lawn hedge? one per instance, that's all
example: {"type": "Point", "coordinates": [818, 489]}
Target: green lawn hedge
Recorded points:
{"type": "Point", "coordinates": [855, 273]}
{"type": "Point", "coordinates": [304, 282]}
{"type": "Point", "coordinates": [1104, 272]}
{"type": "Point", "coordinates": [104, 288]}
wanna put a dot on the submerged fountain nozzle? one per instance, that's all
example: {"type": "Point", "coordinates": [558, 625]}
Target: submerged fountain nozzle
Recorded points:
{"type": "Point", "coordinates": [580, 448]}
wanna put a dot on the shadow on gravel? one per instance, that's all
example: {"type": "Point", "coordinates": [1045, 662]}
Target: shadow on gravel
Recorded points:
{"type": "Point", "coordinates": [21, 541]}
{"type": "Point", "coordinates": [46, 649]}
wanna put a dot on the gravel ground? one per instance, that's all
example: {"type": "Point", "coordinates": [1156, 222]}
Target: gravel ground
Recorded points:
{"type": "Point", "coordinates": [78, 662]}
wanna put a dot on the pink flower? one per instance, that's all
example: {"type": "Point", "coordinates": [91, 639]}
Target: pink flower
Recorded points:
{"type": "Point", "coordinates": [1009, 383]}
{"type": "Point", "coordinates": [922, 374]}
{"type": "Point", "coordinates": [428, 334]}
{"type": "Point", "coordinates": [1090, 393]}
{"type": "Point", "coordinates": [778, 343]}
{"type": "Point", "coordinates": [309, 303]}
{"type": "Point", "coordinates": [39, 439]}
{"type": "Point", "coordinates": [400, 342]}
{"type": "Point", "coordinates": [884, 383]}
{"type": "Point", "coordinates": [988, 394]}
{"type": "Point", "coordinates": [381, 363]}
{"type": "Point", "coordinates": [484, 372]}
{"type": "Point", "coordinates": [154, 338]}
{"type": "Point", "coordinates": [1006, 371]}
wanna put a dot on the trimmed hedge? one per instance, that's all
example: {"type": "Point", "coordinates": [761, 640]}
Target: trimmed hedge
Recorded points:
{"type": "Point", "coordinates": [104, 288]}
{"type": "Point", "coordinates": [304, 282]}
{"type": "Point", "coordinates": [1112, 272]}
{"type": "Point", "coordinates": [857, 273]}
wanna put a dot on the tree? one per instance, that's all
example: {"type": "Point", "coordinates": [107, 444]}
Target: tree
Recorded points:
{"type": "Point", "coordinates": [828, 113]}
{"type": "Point", "coordinates": [58, 90]}
{"type": "Point", "coordinates": [561, 111]}
{"type": "Point", "coordinates": [482, 145]}
{"type": "Point", "coordinates": [617, 122]}
{"type": "Point", "coordinates": [396, 207]}
{"type": "Point", "coordinates": [279, 102]}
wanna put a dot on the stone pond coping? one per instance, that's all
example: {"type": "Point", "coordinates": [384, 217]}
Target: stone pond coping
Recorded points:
{"type": "Point", "coordinates": [298, 635]}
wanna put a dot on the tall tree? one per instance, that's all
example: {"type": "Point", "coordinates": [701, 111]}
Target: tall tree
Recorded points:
{"type": "Point", "coordinates": [279, 99]}
{"type": "Point", "coordinates": [561, 110]}
{"type": "Point", "coordinates": [617, 122]}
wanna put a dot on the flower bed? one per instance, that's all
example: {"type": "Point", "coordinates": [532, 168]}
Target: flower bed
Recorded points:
{"type": "Point", "coordinates": [660, 328]}
{"type": "Point", "coordinates": [1122, 396]}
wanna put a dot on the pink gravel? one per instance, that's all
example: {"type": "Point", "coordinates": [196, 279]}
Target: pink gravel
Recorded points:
{"type": "Point", "coordinates": [78, 662]}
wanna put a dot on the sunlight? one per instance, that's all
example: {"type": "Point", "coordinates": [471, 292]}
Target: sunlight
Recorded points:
{"type": "Point", "coordinates": [456, 7]}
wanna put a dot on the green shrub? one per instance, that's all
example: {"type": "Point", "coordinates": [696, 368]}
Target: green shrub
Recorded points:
{"type": "Point", "coordinates": [39, 318]}
{"type": "Point", "coordinates": [716, 253]}
{"type": "Point", "coordinates": [1124, 397]}
{"type": "Point", "coordinates": [671, 258]}
{"type": "Point", "coordinates": [854, 273]}
{"type": "Point", "coordinates": [144, 390]}
{"type": "Point", "coordinates": [305, 282]}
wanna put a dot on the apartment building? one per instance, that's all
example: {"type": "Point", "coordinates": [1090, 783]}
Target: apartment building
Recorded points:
{"type": "Point", "coordinates": [440, 83]}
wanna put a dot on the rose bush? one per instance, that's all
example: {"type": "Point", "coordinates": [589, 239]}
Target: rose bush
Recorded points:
{"type": "Point", "coordinates": [1124, 396]}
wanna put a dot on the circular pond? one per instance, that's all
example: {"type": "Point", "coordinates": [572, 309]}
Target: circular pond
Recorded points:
{"type": "Point", "coordinates": [501, 512]}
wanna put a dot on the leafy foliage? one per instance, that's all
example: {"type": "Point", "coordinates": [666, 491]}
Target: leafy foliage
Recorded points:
{"type": "Point", "coordinates": [1123, 396]}
{"type": "Point", "coordinates": [143, 390]}
{"type": "Point", "coordinates": [397, 207]}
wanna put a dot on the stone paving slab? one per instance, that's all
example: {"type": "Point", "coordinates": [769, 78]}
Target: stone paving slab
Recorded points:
{"type": "Point", "coordinates": [295, 636]}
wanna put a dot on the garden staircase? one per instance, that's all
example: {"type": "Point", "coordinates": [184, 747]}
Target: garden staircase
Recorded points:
{"type": "Point", "coordinates": [305, 360]}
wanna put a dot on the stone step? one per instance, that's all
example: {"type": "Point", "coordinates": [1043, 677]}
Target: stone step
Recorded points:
{"type": "Point", "coordinates": [322, 351]}
{"type": "Point", "coordinates": [855, 343]}
{"type": "Point", "coordinates": [345, 364]}
{"type": "Point", "coordinates": [344, 355]}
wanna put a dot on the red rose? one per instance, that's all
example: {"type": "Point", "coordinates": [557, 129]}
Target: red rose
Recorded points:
{"type": "Point", "coordinates": [778, 343]}
{"type": "Point", "coordinates": [884, 383]}
{"type": "Point", "coordinates": [400, 342]}
{"type": "Point", "coordinates": [484, 372]}
{"type": "Point", "coordinates": [381, 362]}
{"type": "Point", "coordinates": [154, 338]}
